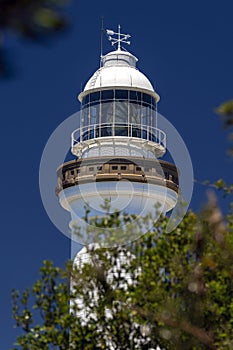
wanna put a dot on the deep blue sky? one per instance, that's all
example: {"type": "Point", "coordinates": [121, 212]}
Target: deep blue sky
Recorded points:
{"type": "Point", "coordinates": [185, 47]}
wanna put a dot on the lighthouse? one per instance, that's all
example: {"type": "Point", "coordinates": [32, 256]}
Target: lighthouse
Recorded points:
{"type": "Point", "coordinates": [117, 148]}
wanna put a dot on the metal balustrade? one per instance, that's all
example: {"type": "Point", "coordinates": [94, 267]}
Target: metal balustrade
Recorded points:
{"type": "Point", "coordinates": [139, 131]}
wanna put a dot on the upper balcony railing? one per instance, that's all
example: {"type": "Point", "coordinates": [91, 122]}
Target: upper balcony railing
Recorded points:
{"type": "Point", "coordinates": [144, 132]}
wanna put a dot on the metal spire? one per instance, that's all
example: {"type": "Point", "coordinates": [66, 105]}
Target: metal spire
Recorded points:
{"type": "Point", "coordinates": [121, 38]}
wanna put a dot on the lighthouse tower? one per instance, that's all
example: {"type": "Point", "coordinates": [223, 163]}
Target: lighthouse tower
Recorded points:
{"type": "Point", "coordinates": [117, 145]}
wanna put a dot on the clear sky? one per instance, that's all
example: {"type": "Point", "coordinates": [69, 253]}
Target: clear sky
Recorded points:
{"type": "Point", "coordinates": [184, 47]}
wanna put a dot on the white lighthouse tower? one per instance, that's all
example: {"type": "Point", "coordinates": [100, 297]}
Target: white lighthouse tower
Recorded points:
{"type": "Point", "coordinates": [117, 145]}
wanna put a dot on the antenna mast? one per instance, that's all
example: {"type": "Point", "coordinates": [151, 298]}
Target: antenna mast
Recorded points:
{"type": "Point", "coordinates": [101, 40]}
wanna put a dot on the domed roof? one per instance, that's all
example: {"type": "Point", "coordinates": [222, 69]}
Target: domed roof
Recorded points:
{"type": "Point", "coordinates": [118, 71]}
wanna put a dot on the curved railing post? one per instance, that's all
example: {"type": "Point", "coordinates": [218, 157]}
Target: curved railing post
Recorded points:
{"type": "Point", "coordinates": [81, 134]}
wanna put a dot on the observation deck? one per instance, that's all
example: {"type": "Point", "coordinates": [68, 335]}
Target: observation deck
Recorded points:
{"type": "Point", "coordinates": [106, 169]}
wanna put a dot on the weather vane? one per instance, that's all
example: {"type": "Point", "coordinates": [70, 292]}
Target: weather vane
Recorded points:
{"type": "Point", "coordinates": [121, 38]}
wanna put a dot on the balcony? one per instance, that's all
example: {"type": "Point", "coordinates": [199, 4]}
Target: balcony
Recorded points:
{"type": "Point", "coordinates": [118, 134]}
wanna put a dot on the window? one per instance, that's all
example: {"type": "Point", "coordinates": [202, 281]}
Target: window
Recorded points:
{"type": "Point", "coordinates": [114, 167]}
{"type": "Point", "coordinates": [95, 96]}
{"type": "Point", "coordinates": [138, 168]}
{"type": "Point", "coordinates": [121, 112]}
{"type": "Point", "coordinates": [107, 112]}
{"type": "Point", "coordinates": [135, 96]}
{"type": "Point", "coordinates": [146, 98]}
{"type": "Point", "coordinates": [99, 168]}
{"type": "Point", "coordinates": [107, 95]}
{"type": "Point", "coordinates": [91, 168]}
{"type": "Point", "coordinates": [72, 172]}
{"type": "Point", "coordinates": [123, 167]}
{"type": "Point", "coordinates": [85, 100]}
{"type": "Point", "coordinates": [134, 113]}
{"type": "Point", "coordinates": [119, 108]}
{"type": "Point", "coordinates": [121, 94]}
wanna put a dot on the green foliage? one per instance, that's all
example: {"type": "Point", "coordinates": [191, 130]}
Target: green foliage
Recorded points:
{"type": "Point", "coordinates": [172, 289]}
{"type": "Point", "coordinates": [35, 20]}
{"type": "Point", "coordinates": [50, 306]}
{"type": "Point", "coordinates": [222, 186]}
{"type": "Point", "coordinates": [225, 110]}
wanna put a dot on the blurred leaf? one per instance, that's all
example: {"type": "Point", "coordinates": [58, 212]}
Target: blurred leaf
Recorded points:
{"type": "Point", "coordinates": [225, 110]}
{"type": "Point", "coordinates": [36, 20]}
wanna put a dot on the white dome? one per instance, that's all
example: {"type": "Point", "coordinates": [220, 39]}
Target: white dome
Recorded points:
{"type": "Point", "coordinates": [118, 71]}
{"type": "Point", "coordinates": [118, 76]}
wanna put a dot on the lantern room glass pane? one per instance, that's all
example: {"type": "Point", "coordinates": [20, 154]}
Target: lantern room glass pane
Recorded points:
{"type": "Point", "coordinates": [146, 115]}
{"type": "Point", "coordinates": [134, 113]}
{"type": "Point", "coordinates": [107, 112]}
{"type": "Point", "coordinates": [135, 96]}
{"type": "Point", "coordinates": [146, 98]}
{"type": "Point", "coordinates": [121, 112]}
{"type": "Point", "coordinates": [107, 95]}
{"type": "Point", "coordinates": [85, 100]}
{"type": "Point", "coordinates": [95, 96]}
{"type": "Point", "coordinates": [85, 116]}
{"type": "Point", "coordinates": [121, 94]}
{"type": "Point", "coordinates": [94, 114]}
